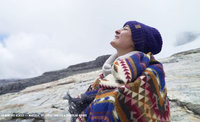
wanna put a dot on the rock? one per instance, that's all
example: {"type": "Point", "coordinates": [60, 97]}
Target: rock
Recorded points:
{"type": "Point", "coordinates": [186, 52]}
{"type": "Point", "coordinates": [5, 81]}
{"type": "Point", "coordinates": [181, 56]}
{"type": "Point", "coordinates": [89, 65]}
{"type": "Point", "coordinates": [190, 106]}
{"type": "Point", "coordinates": [46, 98]}
{"type": "Point", "coordinates": [25, 117]}
{"type": "Point", "coordinates": [194, 107]}
{"type": "Point", "coordinates": [182, 80]}
{"type": "Point", "coordinates": [58, 106]}
{"type": "Point", "coordinates": [182, 114]}
{"type": "Point", "coordinates": [18, 85]}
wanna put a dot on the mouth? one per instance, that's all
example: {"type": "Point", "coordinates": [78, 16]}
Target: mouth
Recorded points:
{"type": "Point", "coordinates": [116, 37]}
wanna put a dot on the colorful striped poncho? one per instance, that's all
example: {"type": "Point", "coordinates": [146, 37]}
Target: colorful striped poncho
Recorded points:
{"type": "Point", "coordinates": [135, 91]}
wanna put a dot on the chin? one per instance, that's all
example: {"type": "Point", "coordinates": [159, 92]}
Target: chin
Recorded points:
{"type": "Point", "coordinates": [113, 44]}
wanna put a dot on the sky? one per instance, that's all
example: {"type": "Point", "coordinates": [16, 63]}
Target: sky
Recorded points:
{"type": "Point", "coordinates": [37, 36]}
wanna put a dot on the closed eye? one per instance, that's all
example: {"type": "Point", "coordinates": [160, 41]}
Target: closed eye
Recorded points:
{"type": "Point", "coordinates": [126, 27]}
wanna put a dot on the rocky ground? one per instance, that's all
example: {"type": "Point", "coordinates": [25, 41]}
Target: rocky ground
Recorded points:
{"type": "Point", "coordinates": [14, 85]}
{"type": "Point", "coordinates": [45, 99]}
{"type": "Point", "coordinates": [183, 83]}
{"type": "Point", "coordinates": [45, 102]}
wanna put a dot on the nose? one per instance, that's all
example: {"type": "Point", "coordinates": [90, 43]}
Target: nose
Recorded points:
{"type": "Point", "coordinates": [118, 31]}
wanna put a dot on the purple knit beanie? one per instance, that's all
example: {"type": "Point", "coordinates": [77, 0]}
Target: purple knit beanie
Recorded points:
{"type": "Point", "coordinates": [145, 38]}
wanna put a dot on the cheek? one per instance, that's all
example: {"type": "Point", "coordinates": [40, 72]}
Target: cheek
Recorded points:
{"type": "Point", "coordinates": [126, 36]}
{"type": "Point", "coordinates": [127, 39]}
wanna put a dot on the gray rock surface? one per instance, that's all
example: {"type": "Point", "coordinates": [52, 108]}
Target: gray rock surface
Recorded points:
{"type": "Point", "coordinates": [45, 99]}
{"type": "Point", "coordinates": [182, 80]}
{"type": "Point", "coordinates": [18, 85]}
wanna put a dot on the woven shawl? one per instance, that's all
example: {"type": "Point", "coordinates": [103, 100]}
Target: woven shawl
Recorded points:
{"type": "Point", "coordinates": [135, 91]}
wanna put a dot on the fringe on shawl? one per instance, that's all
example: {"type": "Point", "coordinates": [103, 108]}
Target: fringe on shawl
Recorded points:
{"type": "Point", "coordinates": [77, 105]}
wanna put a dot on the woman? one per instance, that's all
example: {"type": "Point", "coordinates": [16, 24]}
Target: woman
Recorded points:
{"type": "Point", "coordinates": [132, 85]}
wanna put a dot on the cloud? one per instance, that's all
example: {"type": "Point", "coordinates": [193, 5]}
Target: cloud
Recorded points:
{"type": "Point", "coordinates": [49, 35]}
{"type": "Point", "coordinates": [186, 37]}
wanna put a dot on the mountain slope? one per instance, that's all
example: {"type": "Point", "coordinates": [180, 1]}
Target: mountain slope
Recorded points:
{"type": "Point", "coordinates": [15, 86]}
{"type": "Point", "coordinates": [47, 103]}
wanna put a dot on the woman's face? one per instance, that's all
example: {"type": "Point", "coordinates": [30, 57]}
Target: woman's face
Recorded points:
{"type": "Point", "coordinates": [123, 39]}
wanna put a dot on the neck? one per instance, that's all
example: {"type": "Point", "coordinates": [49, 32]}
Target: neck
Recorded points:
{"type": "Point", "coordinates": [120, 53]}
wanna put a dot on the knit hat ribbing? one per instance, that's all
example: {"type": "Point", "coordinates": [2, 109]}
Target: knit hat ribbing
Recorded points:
{"type": "Point", "coordinates": [145, 38]}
